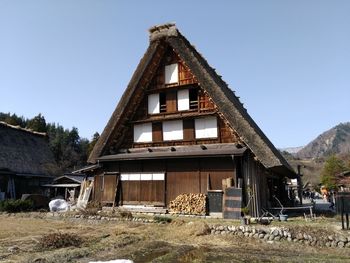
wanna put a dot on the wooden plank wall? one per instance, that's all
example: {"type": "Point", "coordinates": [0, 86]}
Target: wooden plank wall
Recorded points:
{"type": "Point", "coordinates": [255, 177]}
{"type": "Point", "coordinates": [182, 176]}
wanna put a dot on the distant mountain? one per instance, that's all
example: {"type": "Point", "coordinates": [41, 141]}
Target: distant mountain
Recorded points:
{"type": "Point", "coordinates": [333, 141]}
{"type": "Point", "coordinates": [292, 150]}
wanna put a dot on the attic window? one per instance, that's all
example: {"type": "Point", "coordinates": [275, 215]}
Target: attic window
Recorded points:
{"type": "Point", "coordinates": [171, 74]}
{"type": "Point", "coordinates": [206, 128]}
{"type": "Point", "coordinates": [173, 130]}
{"type": "Point", "coordinates": [143, 132]}
{"type": "Point", "coordinates": [193, 94]}
{"type": "Point", "coordinates": [162, 101]}
{"type": "Point", "coordinates": [183, 100]}
{"type": "Point", "coordinates": [153, 104]}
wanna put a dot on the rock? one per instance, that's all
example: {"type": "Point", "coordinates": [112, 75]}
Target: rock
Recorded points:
{"type": "Point", "coordinates": [307, 242]}
{"type": "Point", "coordinates": [261, 236]}
{"type": "Point", "coordinates": [305, 236]}
{"type": "Point", "coordinates": [217, 232]}
{"type": "Point", "coordinates": [299, 236]}
{"type": "Point", "coordinates": [266, 237]}
{"type": "Point", "coordinates": [212, 231]}
{"type": "Point", "coordinates": [220, 228]}
{"type": "Point", "coordinates": [251, 234]}
{"type": "Point", "coordinates": [270, 242]}
{"type": "Point", "coordinates": [256, 235]}
{"type": "Point", "coordinates": [271, 237]}
{"type": "Point", "coordinates": [313, 243]}
{"type": "Point", "coordinates": [277, 238]}
{"type": "Point", "coordinates": [328, 244]}
{"type": "Point", "coordinates": [223, 232]}
{"type": "Point", "coordinates": [343, 239]}
{"type": "Point", "coordinates": [347, 245]}
{"type": "Point", "coordinates": [13, 249]}
{"type": "Point", "coordinates": [334, 243]}
{"type": "Point", "coordinates": [330, 238]}
{"type": "Point", "coordinates": [246, 234]}
{"type": "Point", "coordinates": [275, 232]}
{"type": "Point", "coordinates": [341, 244]}
{"type": "Point", "coordinates": [289, 239]}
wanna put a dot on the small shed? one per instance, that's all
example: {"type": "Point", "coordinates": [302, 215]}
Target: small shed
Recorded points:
{"type": "Point", "coordinates": [67, 186]}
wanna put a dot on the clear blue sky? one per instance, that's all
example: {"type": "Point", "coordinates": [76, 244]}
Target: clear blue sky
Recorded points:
{"type": "Point", "coordinates": [289, 61]}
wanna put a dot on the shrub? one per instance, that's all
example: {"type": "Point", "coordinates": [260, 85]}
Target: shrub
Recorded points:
{"type": "Point", "coordinates": [14, 206]}
{"type": "Point", "coordinates": [59, 240]}
{"type": "Point", "coordinates": [161, 219]}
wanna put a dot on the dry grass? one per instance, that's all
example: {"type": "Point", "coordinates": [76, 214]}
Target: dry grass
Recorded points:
{"type": "Point", "coordinates": [182, 240]}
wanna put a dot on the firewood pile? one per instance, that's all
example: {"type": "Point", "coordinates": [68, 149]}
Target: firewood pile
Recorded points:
{"type": "Point", "coordinates": [193, 204]}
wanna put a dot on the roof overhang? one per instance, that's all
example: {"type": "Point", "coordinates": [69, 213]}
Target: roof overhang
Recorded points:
{"type": "Point", "coordinates": [195, 151]}
{"type": "Point", "coordinates": [283, 171]}
{"type": "Point", "coordinates": [61, 185]}
{"type": "Point", "coordinates": [88, 168]}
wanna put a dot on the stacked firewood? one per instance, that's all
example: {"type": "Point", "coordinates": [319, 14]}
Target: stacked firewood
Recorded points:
{"type": "Point", "coordinates": [193, 204]}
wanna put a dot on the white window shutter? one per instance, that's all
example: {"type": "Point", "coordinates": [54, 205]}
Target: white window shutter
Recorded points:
{"type": "Point", "coordinates": [171, 74]}
{"type": "Point", "coordinates": [183, 99]}
{"type": "Point", "coordinates": [206, 128]}
{"type": "Point", "coordinates": [143, 132]}
{"type": "Point", "coordinates": [173, 130]}
{"type": "Point", "coordinates": [153, 103]}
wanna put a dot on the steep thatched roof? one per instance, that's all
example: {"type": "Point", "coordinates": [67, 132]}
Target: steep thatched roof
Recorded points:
{"type": "Point", "coordinates": [23, 151]}
{"type": "Point", "coordinates": [224, 98]}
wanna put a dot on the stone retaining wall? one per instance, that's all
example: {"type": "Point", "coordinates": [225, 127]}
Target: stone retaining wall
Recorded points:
{"type": "Point", "coordinates": [271, 234]}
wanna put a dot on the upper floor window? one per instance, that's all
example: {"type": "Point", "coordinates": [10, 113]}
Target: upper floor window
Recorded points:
{"type": "Point", "coordinates": [206, 127]}
{"type": "Point", "coordinates": [183, 100]}
{"type": "Point", "coordinates": [171, 73]}
{"type": "Point", "coordinates": [143, 132]}
{"type": "Point", "coordinates": [153, 103]}
{"type": "Point", "coordinates": [173, 130]}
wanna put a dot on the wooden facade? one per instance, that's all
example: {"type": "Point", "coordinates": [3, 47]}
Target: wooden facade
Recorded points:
{"type": "Point", "coordinates": [179, 129]}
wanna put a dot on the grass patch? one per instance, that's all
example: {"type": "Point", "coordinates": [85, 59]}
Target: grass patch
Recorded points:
{"type": "Point", "coordinates": [162, 219]}
{"type": "Point", "coordinates": [59, 240]}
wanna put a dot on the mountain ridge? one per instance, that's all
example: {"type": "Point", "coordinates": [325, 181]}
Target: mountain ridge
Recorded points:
{"type": "Point", "coordinates": [333, 141]}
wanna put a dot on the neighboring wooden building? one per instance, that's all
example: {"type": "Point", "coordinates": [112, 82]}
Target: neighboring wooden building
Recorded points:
{"type": "Point", "coordinates": [344, 181]}
{"type": "Point", "coordinates": [66, 186]}
{"type": "Point", "coordinates": [26, 162]}
{"type": "Point", "coordinates": [177, 129]}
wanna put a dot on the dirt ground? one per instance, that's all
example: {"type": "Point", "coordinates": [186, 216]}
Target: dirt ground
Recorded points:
{"type": "Point", "coordinates": [179, 241]}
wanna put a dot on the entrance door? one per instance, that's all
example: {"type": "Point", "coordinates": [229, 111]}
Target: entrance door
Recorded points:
{"type": "Point", "coordinates": [143, 188]}
{"type": "Point", "coordinates": [109, 188]}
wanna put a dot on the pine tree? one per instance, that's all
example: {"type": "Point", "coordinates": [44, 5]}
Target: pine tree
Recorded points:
{"type": "Point", "coordinates": [331, 169]}
{"type": "Point", "coordinates": [94, 140]}
{"type": "Point", "coordinates": [38, 123]}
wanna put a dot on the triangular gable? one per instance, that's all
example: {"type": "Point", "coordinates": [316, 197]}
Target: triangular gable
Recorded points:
{"type": "Point", "coordinates": [228, 104]}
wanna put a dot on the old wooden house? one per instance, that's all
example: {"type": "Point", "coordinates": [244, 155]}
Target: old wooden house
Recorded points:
{"type": "Point", "coordinates": [179, 128]}
{"type": "Point", "coordinates": [26, 162]}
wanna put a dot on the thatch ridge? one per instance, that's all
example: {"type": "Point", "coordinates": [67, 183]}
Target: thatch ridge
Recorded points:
{"type": "Point", "coordinates": [228, 104]}
{"type": "Point", "coordinates": [128, 93]}
{"type": "Point", "coordinates": [17, 127]}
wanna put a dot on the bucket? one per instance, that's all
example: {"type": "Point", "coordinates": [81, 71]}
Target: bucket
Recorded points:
{"type": "Point", "coordinates": [283, 217]}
